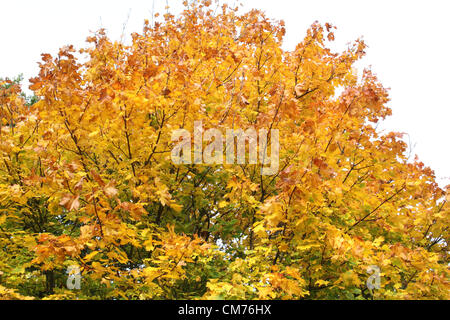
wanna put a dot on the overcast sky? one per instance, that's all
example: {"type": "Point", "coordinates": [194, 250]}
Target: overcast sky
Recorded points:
{"type": "Point", "coordinates": [408, 41]}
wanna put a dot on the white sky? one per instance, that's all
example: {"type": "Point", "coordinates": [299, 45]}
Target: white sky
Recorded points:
{"type": "Point", "coordinates": [408, 41]}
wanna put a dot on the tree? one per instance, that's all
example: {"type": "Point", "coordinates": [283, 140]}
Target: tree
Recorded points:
{"type": "Point", "coordinates": [88, 180]}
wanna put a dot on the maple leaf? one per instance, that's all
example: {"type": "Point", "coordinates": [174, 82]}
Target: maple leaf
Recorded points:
{"type": "Point", "coordinates": [70, 202]}
{"type": "Point", "coordinates": [110, 190]}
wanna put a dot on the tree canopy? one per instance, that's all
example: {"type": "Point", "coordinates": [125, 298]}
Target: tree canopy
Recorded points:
{"type": "Point", "coordinates": [87, 178]}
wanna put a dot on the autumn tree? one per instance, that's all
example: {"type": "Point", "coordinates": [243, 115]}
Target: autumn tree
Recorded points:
{"type": "Point", "coordinates": [87, 177]}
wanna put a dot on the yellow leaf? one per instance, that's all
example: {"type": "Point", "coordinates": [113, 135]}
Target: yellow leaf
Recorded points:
{"type": "Point", "coordinates": [378, 241]}
{"type": "Point", "coordinates": [223, 204]}
{"type": "Point", "coordinates": [94, 133]}
{"type": "Point", "coordinates": [110, 191]}
{"type": "Point", "coordinates": [321, 283]}
{"type": "Point", "coordinates": [89, 256]}
{"type": "Point", "coordinates": [176, 207]}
